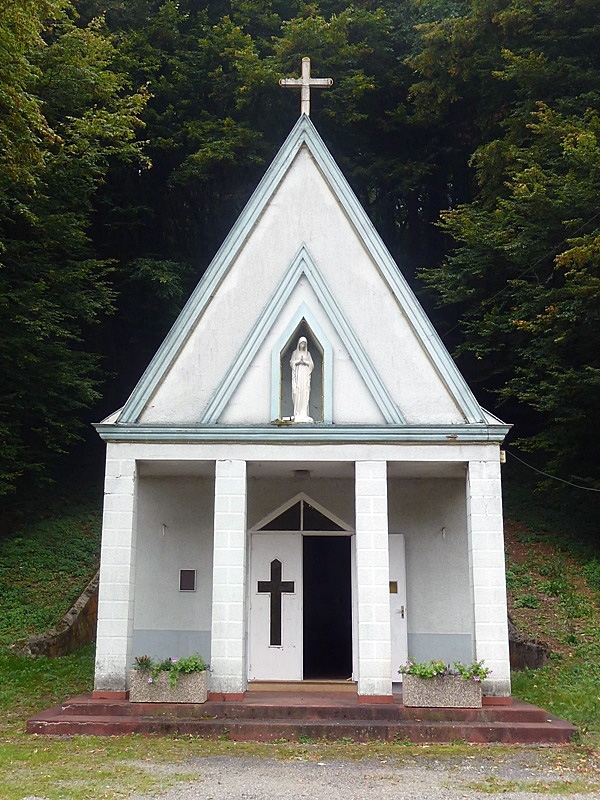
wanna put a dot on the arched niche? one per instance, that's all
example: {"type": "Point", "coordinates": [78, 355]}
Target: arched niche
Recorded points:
{"type": "Point", "coordinates": [316, 404]}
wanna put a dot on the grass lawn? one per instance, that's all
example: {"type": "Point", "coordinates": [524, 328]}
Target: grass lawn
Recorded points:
{"type": "Point", "coordinates": [92, 767]}
{"type": "Point", "coordinates": [553, 594]}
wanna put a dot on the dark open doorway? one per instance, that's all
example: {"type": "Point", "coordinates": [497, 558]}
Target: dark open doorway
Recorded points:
{"type": "Point", "coordinates": [327, 615]}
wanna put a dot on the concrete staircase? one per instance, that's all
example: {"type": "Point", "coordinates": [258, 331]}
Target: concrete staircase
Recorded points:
{"type": "Point", "coordinates": [267, 716]}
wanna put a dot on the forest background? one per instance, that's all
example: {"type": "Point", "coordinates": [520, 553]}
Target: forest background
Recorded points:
{"type": "Point", "coordinates": [132, 132]}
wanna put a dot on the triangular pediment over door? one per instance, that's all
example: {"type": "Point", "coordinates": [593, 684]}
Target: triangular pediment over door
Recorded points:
{"type": "Point", "coordinates": [301, 513]}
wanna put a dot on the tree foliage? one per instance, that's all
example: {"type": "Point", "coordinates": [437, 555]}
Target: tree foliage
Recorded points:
{"type": "Point", "coordinates": [525, 271]}
{"type": "Point", "coordinates": [66, 116]}
{"type": "Point", "coordinates": [132, 132]}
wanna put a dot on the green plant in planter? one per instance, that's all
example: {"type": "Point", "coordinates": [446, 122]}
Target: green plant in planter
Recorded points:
{"type": "Point", "coordinates": [439, 669]}
{"type": "Point", "coordinates": [173, 666]}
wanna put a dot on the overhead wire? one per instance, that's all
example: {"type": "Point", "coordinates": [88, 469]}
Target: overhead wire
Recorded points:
{"type": "Point", "coordinates": [552, 477]}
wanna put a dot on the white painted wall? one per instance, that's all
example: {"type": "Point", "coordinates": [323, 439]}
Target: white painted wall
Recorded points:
{"type": "Point", "coordinates": [168, 622]}
{"type": "Point", "coordinates": [432, 516]}
{"type": "Point", "coordinates": [352, 400]}
{"type": "Point", "coordinates": [372, 573]}
{"type": "Point", "coordinates": [406, 452]}
{"type": "Point", "coordinates": [288, 222]}
{"type": "Point", "coordinates": [488, 576]}
{"type": "Point", "coordinates": [228, 632]}
{"type": "Point", "coordinates": [440, 589]}
{"type": "Point", "coordinates": [117, 567]}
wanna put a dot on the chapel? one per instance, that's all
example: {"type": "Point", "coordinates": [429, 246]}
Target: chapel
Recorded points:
{"type": "Point", "coordinates": [302, 486]}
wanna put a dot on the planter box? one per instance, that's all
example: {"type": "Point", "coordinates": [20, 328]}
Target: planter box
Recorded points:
{"type": "Point", "coordinates": [189, 688]}
{"type": "Point", "coordinates": [449, 692]}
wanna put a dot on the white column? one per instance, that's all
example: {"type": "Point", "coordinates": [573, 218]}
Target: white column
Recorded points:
{"type": "Point", "coordinates": [372, 568]}
{"type": "Point", "coordinates": [488, 578]}
{"type": "Point", "coordinates": [228, 641]}
{"type": "Point", "coordinates": [117, 567]}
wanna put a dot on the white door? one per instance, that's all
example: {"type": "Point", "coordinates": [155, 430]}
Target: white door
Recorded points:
{"type": "Point", "coordinates": [398, 603]}
{"type": "Point", "coordinates": [275, 620]}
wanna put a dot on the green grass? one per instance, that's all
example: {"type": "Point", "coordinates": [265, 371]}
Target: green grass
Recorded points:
{"type": "Point", "coordinates": [45, 565]}
{"type": "Point", "coordinates": [493, 785]}
{"type": "Point", "coordinates": [568, 688]}
{"type": "Point", "coordinates": [30, 684]}
{"type": "Point", "coordinates": [44, 568]}
{"type": "Point", "coordinates": [569, 520]}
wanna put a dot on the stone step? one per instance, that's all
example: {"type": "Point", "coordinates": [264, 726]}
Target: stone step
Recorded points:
{"type": "Point", "coordinates": [320, 708]}
{"type": "Point", "coordinates": [297, 687]}
{"type": "Point", "coordinates": [359, 730]}
{"type": "Point", "coordinates": [266, 717]}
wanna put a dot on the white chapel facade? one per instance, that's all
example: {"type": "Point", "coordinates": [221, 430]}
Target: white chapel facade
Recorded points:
{"type": "Point", "coordinates": [302, 485]}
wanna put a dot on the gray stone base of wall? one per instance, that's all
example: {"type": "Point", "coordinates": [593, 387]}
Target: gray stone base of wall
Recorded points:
{"type": "Point", "coordinates": [526, 653]}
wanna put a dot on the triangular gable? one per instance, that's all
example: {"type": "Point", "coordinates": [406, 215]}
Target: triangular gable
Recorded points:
{"type": "Point", "coordinates": [265, 523]}
{"type": "Point", "coordinates": [303, 264]}
{"type": "Point", "coordinates": [304, 134]}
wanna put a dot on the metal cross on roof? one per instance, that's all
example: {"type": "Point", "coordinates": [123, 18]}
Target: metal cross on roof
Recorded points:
{"type": "Point", "coordinates": [306, 83]}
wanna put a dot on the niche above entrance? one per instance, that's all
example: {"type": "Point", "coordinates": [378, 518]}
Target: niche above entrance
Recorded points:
{"type": "Point", "coordinates": [302, 325]}
{"type": "Point", "coordinates": [314, 348]}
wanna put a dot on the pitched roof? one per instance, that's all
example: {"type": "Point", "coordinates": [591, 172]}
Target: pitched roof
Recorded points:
{"type": "Point", "coordinates": [303, 135]}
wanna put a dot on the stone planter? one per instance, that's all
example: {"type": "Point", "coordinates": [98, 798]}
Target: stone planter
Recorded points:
{"type": "Point", "coordinates": [190, 688]}
{"type": "Point", "coordinates": [449, 692]}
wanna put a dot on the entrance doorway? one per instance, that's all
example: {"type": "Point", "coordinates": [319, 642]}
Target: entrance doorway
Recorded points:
{"type": "Point", "coordinates": [327, 608]}
{"type": "Point", "coordinates": [300, 625]}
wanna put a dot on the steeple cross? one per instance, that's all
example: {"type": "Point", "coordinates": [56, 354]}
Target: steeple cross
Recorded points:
{"type": "Point", "coordinates": [306, 83]}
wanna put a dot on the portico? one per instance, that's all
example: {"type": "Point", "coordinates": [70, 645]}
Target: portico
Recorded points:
{"type": "Point", "coordinates": [302, 484]}
{"type": "Point", "coordinates": [368, 503]}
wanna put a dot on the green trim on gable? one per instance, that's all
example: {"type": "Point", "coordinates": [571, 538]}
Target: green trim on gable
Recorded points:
{"type": "Point", "coordinates": [303, 134]}
{"type": "Point", "coordinates": [303, 434]}
{"type": "Point", "coordinates": [303, 264]}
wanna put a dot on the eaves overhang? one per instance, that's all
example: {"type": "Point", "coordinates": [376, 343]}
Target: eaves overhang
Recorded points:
{"type": "Point", "coordinates": [303, 434]}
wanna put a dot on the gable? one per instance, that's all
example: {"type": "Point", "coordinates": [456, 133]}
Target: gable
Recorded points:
{"type": "Point", "coordinates": [302, 248]}
{"type": "Point", "coordinates": [352, 392]}
{"type": "Point", "coordinates": [301, 513]}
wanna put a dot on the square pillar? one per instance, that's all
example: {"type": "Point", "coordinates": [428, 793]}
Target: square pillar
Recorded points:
{"type": "Point", "coordinates": [487, 573]}
{"type": "Point", "coordinates": [117, 575]}
{"type": "Point", "coordinates": [373, 574]}
{"type": "Point", "coordinates": [228, 635]}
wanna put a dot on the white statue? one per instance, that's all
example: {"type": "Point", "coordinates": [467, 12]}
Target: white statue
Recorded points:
{"type": "Point", "coordinates": [302, 365]}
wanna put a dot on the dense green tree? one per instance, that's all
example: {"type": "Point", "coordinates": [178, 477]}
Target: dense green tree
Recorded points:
{"type": "Point", "coordinates": [65, 116]}
{"type": "Point", "coordinates": [133, 132]}
{"type": "Point", "coordinates": [524, 274]}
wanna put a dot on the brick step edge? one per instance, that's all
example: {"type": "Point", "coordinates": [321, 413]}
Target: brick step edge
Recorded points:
{"type": "Point", "coordinates": [553, 732]}
{"type": "Point", "coordinates": [247, 711]}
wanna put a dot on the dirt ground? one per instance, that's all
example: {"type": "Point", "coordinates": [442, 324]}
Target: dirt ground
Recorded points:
{"type": "Point", "coordinates": [524, 774]}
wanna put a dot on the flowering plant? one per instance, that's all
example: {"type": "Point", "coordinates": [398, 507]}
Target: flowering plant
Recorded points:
{"type": "Point", "coordinates": [438, 669]}
{"type": "Point", "coordinates": [174, 666]}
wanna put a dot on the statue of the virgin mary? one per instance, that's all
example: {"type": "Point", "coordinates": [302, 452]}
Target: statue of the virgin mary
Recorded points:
{"type": "Point", "coordinates": [302, 365]}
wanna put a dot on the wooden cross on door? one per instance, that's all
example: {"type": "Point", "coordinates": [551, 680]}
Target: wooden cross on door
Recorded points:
{"type": "Point", "coordinates": [275, 587]}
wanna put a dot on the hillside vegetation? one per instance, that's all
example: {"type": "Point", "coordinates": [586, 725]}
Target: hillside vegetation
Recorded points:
{"type": "Point", "coordinates": [553, 578]}
{"type": "Point", "coordinates": [133, 134]}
